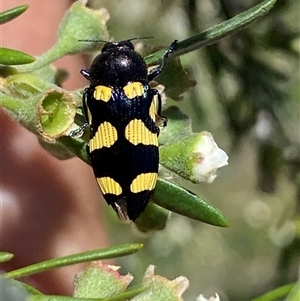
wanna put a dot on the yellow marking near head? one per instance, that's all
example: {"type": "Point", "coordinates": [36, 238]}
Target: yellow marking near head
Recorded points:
{"type": "Point", "coordinates": [144, 181]}
{"type": "Point", "coordinates": [109, 185]}
{"type": "Point", "coordinates": [133, 89]}
{"type": "Point", "coordinates": [106, 135]}
{"type": "Point", "coordinates": [102, 93]}
{"type": "Point", "coordinates": [136, 132]}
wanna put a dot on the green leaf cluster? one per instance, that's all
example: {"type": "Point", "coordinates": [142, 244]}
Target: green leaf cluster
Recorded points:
{"type": "Point", "coordinates": [31, 93]}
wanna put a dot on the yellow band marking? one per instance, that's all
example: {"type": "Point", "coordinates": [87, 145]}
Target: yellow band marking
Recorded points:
{"type": "Point", "coordinates": [109, 185]}
{"type": "Point", "coordinates": [106, 135]}
{"type": "Point", "coordinates": [133, 89]}
{"type": "Point", "coordinates": [136, 132]}
{"type": "Point", "coordinates": [102, 93]}
{"type": "Point", "coordinates": [144, 181]}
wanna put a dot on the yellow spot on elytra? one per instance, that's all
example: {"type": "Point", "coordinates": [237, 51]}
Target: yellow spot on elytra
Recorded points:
{"type": "Point", "coordinates": [153, 110]}
{"type": "Point", "coordinates": [136, 132]}
{"type": "Point", "coordinates": [106, 135]}
{"type": "Point", "coordinates": [89, 116]}
{"type": "Point", "coordinates": [102, 93]}
{"type": "Point", "coordinates": [109, 185]}
{"type": "Point", "coordinates": [133, 89]}
{"type": "Point", "coordinates": [144, 181]}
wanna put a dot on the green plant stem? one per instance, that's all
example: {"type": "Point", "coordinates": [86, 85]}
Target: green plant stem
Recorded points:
{"type": "Point", "coordinates": [22, 110]}
{"type": "Point", "coordinates": [6, 256]}
{"type": "Point", "coordinates": [279, 292]}
{"type": "Point", "coordinates": [43, 266]}
{"type": "Point", "coordinates": [127, 295]}
{"type": "Point", "coordinates": [45, 59]}
{"type": "Point", "coordinates": [29, 289]}
{"type": "Point", "coordinates": [217, 32]}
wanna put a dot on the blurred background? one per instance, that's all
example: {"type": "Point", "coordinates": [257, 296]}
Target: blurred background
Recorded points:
{"type": "Point", "coordinates": [247, 96]}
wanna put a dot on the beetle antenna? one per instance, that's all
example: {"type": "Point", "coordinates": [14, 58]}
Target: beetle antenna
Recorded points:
{"type": "Point", "coordinates": [93, 41]}
{"type": "Point", "coordinates": [103, 41]}
{"type": "Point", "coordinates": [142, 38]}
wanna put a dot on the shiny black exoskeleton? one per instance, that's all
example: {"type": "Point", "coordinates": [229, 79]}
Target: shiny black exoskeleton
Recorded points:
{"type": "Point", "coordinates": [122, 112]}
{"type": "Point", "coordinates": [117, 65]}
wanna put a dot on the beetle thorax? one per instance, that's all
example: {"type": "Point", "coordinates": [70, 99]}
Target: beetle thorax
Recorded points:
{"type": "Point", "coordinates": [118, 68]}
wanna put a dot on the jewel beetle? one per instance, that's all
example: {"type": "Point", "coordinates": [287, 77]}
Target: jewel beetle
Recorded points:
{"type": "Point", "coordinates": [123, 113]}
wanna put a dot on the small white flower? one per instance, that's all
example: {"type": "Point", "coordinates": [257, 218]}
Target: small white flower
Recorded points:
{"type": "Point", "coordinates": [195, 158]}
{"type": "Point", "coordinates": [202, 298]}
{"type": "Point", "coordinates": [209, 157]}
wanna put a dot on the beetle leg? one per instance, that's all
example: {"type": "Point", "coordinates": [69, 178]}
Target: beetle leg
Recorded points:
{"type": "Point", "coordinates": [157, 72]}
{"type": "Point", "coordinates": [85, 73]}
{"type": "Point", "coordinates": [79, 131]}
{"type": "Point", "coordinates": [160, 120]}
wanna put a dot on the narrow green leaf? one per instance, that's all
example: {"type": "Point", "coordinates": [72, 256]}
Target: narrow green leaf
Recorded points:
{"type": "Point", "coordinates": [154, 218]}
{"type": "Point", "coordinates": [13, 13]}
{"type": "Point", "coordinates": [217, 32]}
{"type": "Point", "coordinates": [6, 256]}
{"type": "Point", "coordinates": [14, 57]}
{"type": "Point", "coordinates": [28, 288]}
{"type": "Point", "coordinates": [127, 295]}
{"type": "Point", "coordinates": [11, 290]}
{"type": "Point", "coordinates": [279, 292]}
{"type": "Point", "coordinates": [113, 252]}
{"type": "Point", "coordinates": [294, 294]}
{"type": "Point", "coordinates": [184, 202]}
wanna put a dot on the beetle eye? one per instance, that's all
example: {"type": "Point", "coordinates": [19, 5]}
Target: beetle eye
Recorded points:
{"type": "Point", "coordinates": [126, 44]}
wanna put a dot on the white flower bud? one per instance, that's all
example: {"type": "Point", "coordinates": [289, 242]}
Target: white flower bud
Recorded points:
{"type": "Point", "coordinates": [209, 158]}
